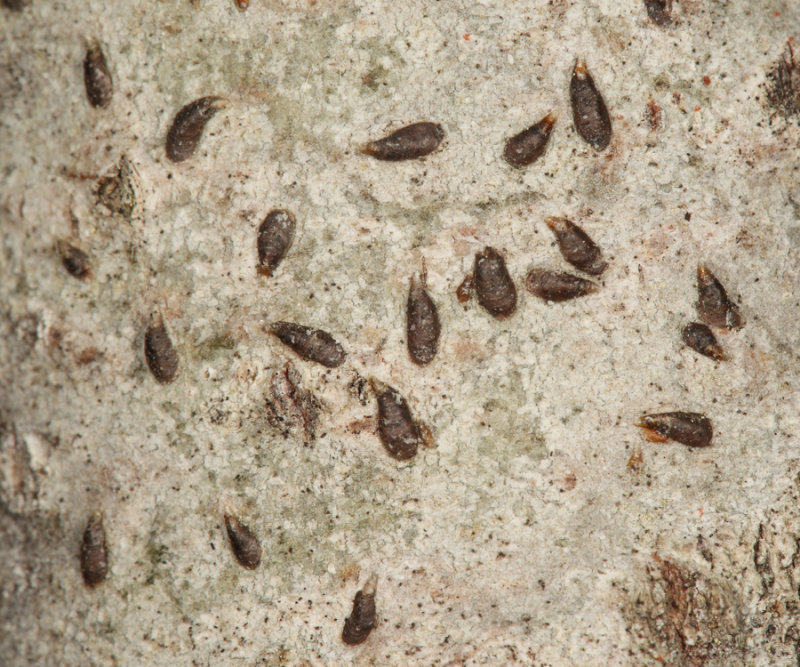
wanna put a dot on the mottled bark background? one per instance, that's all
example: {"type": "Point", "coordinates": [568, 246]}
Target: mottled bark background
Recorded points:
{"type": "Point", "coordinates": [541, 528]}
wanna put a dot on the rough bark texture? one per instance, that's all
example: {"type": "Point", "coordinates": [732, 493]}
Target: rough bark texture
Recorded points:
{"type": "Point", "coordinates": [542, 528]}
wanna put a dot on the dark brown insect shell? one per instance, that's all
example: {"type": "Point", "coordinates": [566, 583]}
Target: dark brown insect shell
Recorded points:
{"type": "Point", "coordinates": [310, 344]}
{"type": "Point", "coordinates": [16, 4]}
{"type": "Point", "coordinates": [241, 5]}
{"type": "Point", "coordinates": [162, 359]}
{"type": "Point", "coordinates": [688, 428]}
{"type": "Point", "coordinates": [400, 434]}
{"type": "Point", "coordinates": [659, 11]}
{"type": "Point", "coordinates": [589, 111]}
{"type": "Point", "coordinates": [96, 77]}
{"type": "Point", "coordinates": [464, 290]}
{"type": "Point", "coordinates": [187, 127]}
{"type": "Point", "coordinates": [576, 246]}
{"type": "Point", "coordinates": [408, 143]}
{"type": "Point", "coordinates": [94, 554]}
{"type": "Point", "coordinates": [713, 305]}
{"type": "Point", "coordinates": [493, 285]}
{"type": "Point", "coordinates": [701, 339]}
{"type": "Point", "coordinates": [557, 286]}
{"type": "Point", "coordinates": [529, 145]}
{"type": "Point", "coordinates": [244, 544]}
{"type": "Point", "coordinates": [422, 323]}
{"type": "Point", "coordinates": [75, 260]}
{"type": "Point", "coordinates": [275, 236]}
{"type": "Point", "coordinates": [362, 618]}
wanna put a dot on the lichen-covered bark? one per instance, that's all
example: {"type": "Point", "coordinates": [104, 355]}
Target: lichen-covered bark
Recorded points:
{"type": "Point", "coordinates": [541, 527]}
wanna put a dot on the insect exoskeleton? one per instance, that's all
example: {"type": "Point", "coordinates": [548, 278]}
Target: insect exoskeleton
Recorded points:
{"type": "Point", "coordinates": [589, 111]}
{"type": "Point", "coordinates": [75, 260]}
{"type": "Point", "coordinates": [400, 434]}
{"type": "Point", "coordinates": [493, 285]}
{"type": "Point", "coordinates": [275, 236]}
{"type": "Point", "coordinates": [188, 125]}
{"type": "Point", "coordinates": [689, 428]}
{"type": "Point", "coordinates": [310, 344]}
{"type": "Point", "coordinates": [556, 285]}
{"type": "Point", "coordinates": [576, 246]}
{"type": "Point", "coordinates": [162, 359]}
{"type": "Point", "coordinates": [659, 11]}
{"type": "Point", "coordinates": [529, 145]}
{"type": "Point", "coordinates": [713, 304]}
{"type": "Point", "coordinates": [408, 143]}
{"type": "Point", "coordinates": [701, 339]}
{"type": "Point", "coordinates": [94, 554]}
{"type": "Point", "coordinates": [244, 544]}
{"type": "Point", "coordinates": [96, 77]}
{"type": "Point", "coordinates": [362, 618]}
{"type": "Point", "coordinates": [422, 323]}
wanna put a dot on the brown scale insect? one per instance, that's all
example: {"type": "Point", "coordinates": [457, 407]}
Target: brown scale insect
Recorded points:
{"type": "Point", "coordinates": [16, 4]}
{"type": "Point", "coordinates": [241, 5]}
{"type": "Point", "coordinates": [589, 111]}
{"type": "Point", "coordinates": [359, 624]}
{"type": "Point", "coordinates": [408, 143]}
{"type": "Point", "coordinates": [96, 77]}
{"type": "Point", "coordinates": [493, 286]}
{"type": "Point", "coordinates": [556, 285]}
{"type": "Point", "coordinates": [659, 11]}
{"type": "Point", "coordinates": [75, 261]}
{"type": "Point", "coordinates": [689, 428]}
{"type": "Point", "coordinates": [701, 339]}
{"type": "Point", "coordinates": [576, 246]}
{"type": "Point", "coordinates": [713, 304]}
{"type": "Point", "coordinates": [422, 323]}
{"type": "Point", "coordinates": [399, 433]}
{"type": "Point", "coordinates": [187, 127]}
{"type": "Point", "coordinates": [244, 544]}
{"type": "Point", "coordinates": [94, 554]}
{"type": "Point", "coordinates": [162, 359]}
{"type": "Point", "coordinates": [275, 236]}
{"type": "Point", "coordinates": [310, 344]}
{"type": "Point", "coordinates": [529, 145]}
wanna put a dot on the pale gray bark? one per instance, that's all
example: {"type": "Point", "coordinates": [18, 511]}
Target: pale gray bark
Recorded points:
{"type": "Point", "coordinates": [541, 527]}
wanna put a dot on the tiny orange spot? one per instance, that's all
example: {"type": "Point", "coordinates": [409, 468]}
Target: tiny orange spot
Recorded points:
{"type": "Point", "coordinates": [466, 36]}
{"type": "Point", "coordinates": [697, 108]}
{"type": "Point", "coordinates": [777, 13]}
{"type": "Point", "coordinates": [706, 81]}
{"type": "Point", "coordinates": [620, 116]}
{"type": "Point", "coordinates": [791, 39]}
{"type": "Point", "coordinates": [700, 512]}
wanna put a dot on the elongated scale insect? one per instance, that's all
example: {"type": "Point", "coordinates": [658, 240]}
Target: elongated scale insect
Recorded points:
{"type": "Point", "coordinates": [493, 285]}
{"type": "Point", "coordinates": [162, 359]}
{"type": "Point", "coordinates": [701, 339]}
{"type": "Point", "coordinates": [244, 544]}
{"type": "Point", "coordinates": [659, 11]}
{"type": "Point", "coordinates": [399, 433]}
{"type": "Point", "coordinates": [96, 77]}
{"type": "Point", "coordinates": [688, 428]}
{"type": "Point", "coordinates": [576, 246]}
{"type": "Point", "coordinates": [310, 344]}
{"type": "Point", "coordinates": [75, 261]}
{"type": "Point", "coordinates": [94, 554]}
{"type": "Point", "coordinates": [408, 143]}
{"type": "Point", "coordinates": [275, 236]}
{"type": "Point", "coordinates": [422, 323]}
{"type": "Point", "coordinates": [713, 304]}
{"type": "Point", "coordinates": [529, 145]}
{"type": "Point", "coordinates": [361, 621]}
{"type": "Point", "coordinates": [556, 285]}
{"type": "Point", "coordinates": [589, 111]}
{"type": "Point", "coordinates": [187, 127]}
